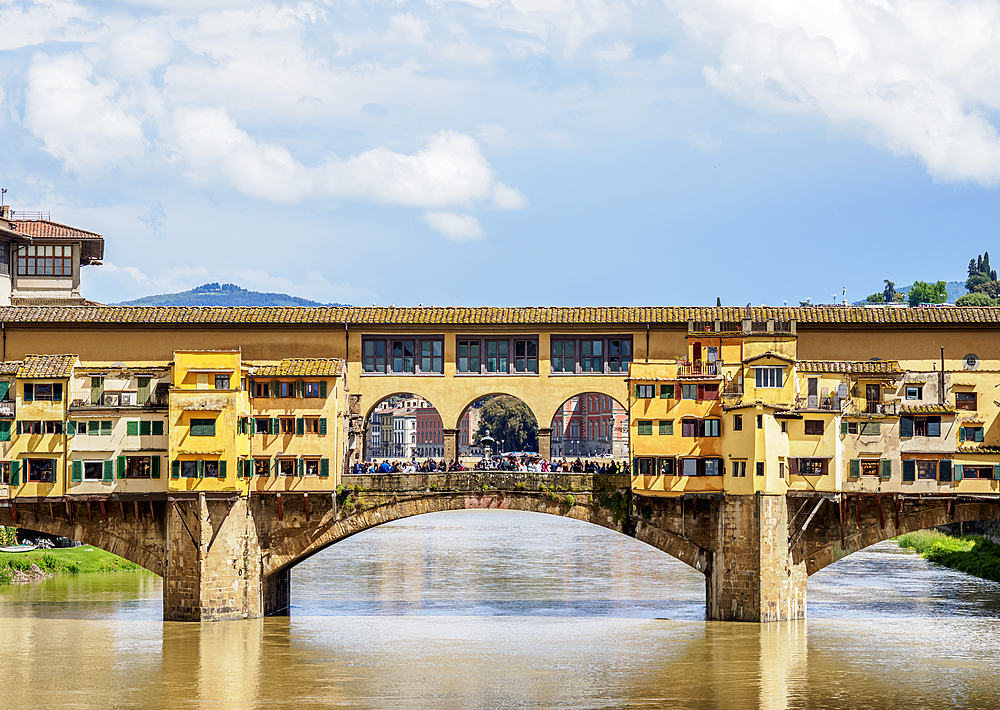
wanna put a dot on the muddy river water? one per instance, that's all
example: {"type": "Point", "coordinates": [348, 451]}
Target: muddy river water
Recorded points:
{"type": "Point", "coordinates": [499, 609]}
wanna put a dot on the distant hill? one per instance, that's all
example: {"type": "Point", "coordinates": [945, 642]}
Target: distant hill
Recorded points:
{"type": "Point", "coordinates": [222, 295]}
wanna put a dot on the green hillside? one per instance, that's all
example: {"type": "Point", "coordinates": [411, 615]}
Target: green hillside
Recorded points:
{"type": "Point", "coordinates": [214, 294]}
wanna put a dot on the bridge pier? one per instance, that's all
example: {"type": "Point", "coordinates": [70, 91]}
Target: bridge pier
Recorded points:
{"type": "Point", "coordinates": [213, 570]}
{"type": "Point", "coordinates": [545, 443]}
{"type": "Point", "coordinates": [753, 576]}
{"type": "Point", "coordinates": [451, 444]}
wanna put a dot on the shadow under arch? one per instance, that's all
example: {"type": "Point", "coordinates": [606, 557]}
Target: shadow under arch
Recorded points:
{"type": "Point", "coordinates": [291, 551]}
{"type": "Point", "coordinates": [425, 428]}
{"type": "Point", "coordinates": [823, 549]}
{"type": "Point", "coordinates": [590, 424]}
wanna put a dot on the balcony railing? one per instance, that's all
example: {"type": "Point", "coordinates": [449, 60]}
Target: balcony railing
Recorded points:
{"type": "Point", "coordinates": [697, 368]}
{"type": "Point", "coordinates": [830, 403]}
{"type": "Point", "coordinates": [733, 388]}
{"type": "Point", "coordinates": [120, 398]}
{"type": "Point", "coordinates": [889, 407]}
{"type": "Point", "coordinates": [7, 408]}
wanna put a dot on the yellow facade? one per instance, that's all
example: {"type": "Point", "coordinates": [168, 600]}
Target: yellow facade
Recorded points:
{"type": "Point", "coordinates": [862, 426]}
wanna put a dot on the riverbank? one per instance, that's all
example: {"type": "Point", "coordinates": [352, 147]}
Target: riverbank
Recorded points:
{"type": "Point", "coordinates": [972, 554]}
{"type": "Point", "coordinates": [16, 567]}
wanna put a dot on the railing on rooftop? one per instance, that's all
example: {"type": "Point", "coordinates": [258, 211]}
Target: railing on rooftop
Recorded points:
{"type": "Point", "coordinates": [888, 407]}
{"type": "Point", "coordinates": [20, 215]}
{"type": "Point", "coordinates": [732, 388]}
{"type": "Point", "coordinates": [745, 326]}
{"type": "Point", "coordinates": [697, 368]}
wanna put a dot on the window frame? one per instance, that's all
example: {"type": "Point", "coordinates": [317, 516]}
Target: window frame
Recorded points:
{"type": "Point", "coordinates": [34, 265]}
{"type": "Point", "coordinates": [200, 427]}
{"type": "Point", "coordinates": [616, 352]}
{"type": "Point", "coordinates": [812, 423]}
{"type": "Point", "coordinates": [918, 391]}
{"type": "Point", "coordinates": [30, 465]}
{"type": "Point", "coordinates": [968, 403]}
{"type": "Point", "coordinates": [379, 355]}
{"type": "Point", "coordinates": [132, 463]}
{"type": "Point", "coordinates": [766, 372]}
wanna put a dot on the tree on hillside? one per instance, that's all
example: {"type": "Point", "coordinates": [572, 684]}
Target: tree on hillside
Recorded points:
{"type": "Point", "coordinates": [876, 298]}
{"type": "Point", "coordinates": [981, 274]}
{"type": "Point", "coordinates": [974, 299]}
{"type": "Point", "coordinates": [923, 292]}
{"type": "Point", "coordinates": [889, 293]}
{"type": "Point", "coordinates": [509, 420]}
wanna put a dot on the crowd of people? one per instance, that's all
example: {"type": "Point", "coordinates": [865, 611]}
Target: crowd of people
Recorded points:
{"type": "Point", "coordinates": [525, 464]}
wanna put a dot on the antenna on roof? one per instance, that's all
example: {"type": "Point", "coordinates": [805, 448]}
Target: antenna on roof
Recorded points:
{"type": "Point", "coordinates": [3, 191]}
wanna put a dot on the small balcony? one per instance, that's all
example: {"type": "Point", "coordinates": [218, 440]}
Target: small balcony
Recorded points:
{"type": "Point", "coordinates": [830, 403]}
{"type": "Point", "coordinates": [702, 369]}
{"type": "Point", "coordinates": [121, 398]}
{"type": "Point", "coordinates": [885, 408]}
{"type": "Point", "coordinates": [7, 408]}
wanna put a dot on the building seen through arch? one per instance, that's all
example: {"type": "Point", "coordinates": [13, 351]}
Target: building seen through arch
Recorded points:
{"type": "Point", "coordinates": [588, 425]}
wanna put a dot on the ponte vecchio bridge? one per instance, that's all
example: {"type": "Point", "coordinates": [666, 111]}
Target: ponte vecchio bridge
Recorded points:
{"type": "Point", "coordinates": [765, 444]}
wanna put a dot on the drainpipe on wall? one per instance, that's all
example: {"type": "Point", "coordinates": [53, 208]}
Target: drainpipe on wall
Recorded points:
{"type": "Point", "coordinates": [647, 342]}
{"type": "Point", "coordinates": [3, 327]}
{"type": "Point", "coordinates": [941, 379]}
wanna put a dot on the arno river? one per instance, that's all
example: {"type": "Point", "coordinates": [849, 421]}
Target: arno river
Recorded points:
{"type": "Point", "coordinates": [495, 609]}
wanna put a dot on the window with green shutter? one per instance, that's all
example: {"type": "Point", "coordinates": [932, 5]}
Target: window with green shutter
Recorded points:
{"type": "Point", "coordinates": [4, 430]}
{"type": "Point", "coordinates": [132, 427]}
{"type": "Point", "coordinates": [106, 428]}
{"type": "Point", "coordinates": [300, 426]}
{"type": "Point", "coordinates": [275, 425]}
{"type": "Point", "coordinates": [886, 469]}
{"type": "Point", "coordinates": [175, 469]}
{"type": "Point", "coordinates": [109, 471]}
{"type": "Point", "coordinates": [96, 390]}
{"type": "Point", "coordinates": [222, 468]}
{"type": "Point", "coordinates": [855, 468]}
{"type": "Point", "coordinates": [996, 472]}
{"type": "Point", "coordinates": [145, 427]}
{"type": "Point", "coordinates": [324, 468]}
{"type": "Point", "coordinates": [144, 390]}
{"type": "Point", "coordinates": [645, 427]}
{"type": "Point", "coordinates": [70, 428]}
{"type": "Point", "coordinates": [666, 392]}
{"type": "Point", "coordinates": [946, 471]}
{"type": "Point", "coordinates": [77, 475]}
{"type": "Point", "coordinates": [15, 473]}
{"type": "Point", "coordinates": [4, 390]}
{"type": "Point", "coordinates": [200, 467]}
{"type": "Point", "coordinates": [322, 389]}
{"type": "Point", "coordinates": [157, 428]}
{"type": "Point", "coordinates": [301, 468]}
{"type": "Point", "coordinates": [667, 428]}
{"type": "Point", "coordinates": [121, 467]}
{"type": "Point", "coordinates": [202, 427]}
{"type": "Point", "coordinates": [906, 426]}
{"type": "Point", "coordinates": [322, 426]}
{"type": "Point", "coordinates": [909, 470]}
{"type": "Point", "coordinates": [957, 472]}
{"type": "Point", "coordinates": [155, 473]}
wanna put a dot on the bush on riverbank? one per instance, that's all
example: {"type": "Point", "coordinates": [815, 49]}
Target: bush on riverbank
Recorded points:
{"type": "Point", "coordinates": [971, 554]}
{"type": "Point", "coordinates": [71, 560]}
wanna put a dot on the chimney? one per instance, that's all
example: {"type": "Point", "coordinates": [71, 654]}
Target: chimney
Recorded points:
{"type": "Point", "coordinates": [5, 212]}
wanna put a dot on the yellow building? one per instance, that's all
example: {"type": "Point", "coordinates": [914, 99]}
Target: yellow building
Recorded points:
{"type": "Point", "coordinates": [209, 422]}
{"type": "Point", "coordinates": [297, 442]}
{"type": "Point", "coordinates": [740, 413]}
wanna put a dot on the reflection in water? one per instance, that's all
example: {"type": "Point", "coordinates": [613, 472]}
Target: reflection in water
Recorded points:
{"type": "Point", "coordinates": [501, 609]}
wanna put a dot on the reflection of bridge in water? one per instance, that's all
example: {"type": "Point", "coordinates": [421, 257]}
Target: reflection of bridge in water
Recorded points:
{"type": "Point", "coordinates": [223, 556]}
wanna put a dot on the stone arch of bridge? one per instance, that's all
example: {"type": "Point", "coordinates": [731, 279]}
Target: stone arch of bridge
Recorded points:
{"type": "Point", "coordinates": [310, 540]}
{"type": "Point", "coordinates": [142, 540]}
{"type": "Point", "coordinates": [827, 547]}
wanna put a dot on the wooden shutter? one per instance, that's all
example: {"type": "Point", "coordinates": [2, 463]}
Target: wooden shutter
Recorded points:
{"type": "Point", "coordinates": [157, 428]}
{"type": "Point", "coordinates": [886, 469]}
{"type": "Point", "coordinates": [322, 426]}
{"type": "Point", "coordinates": [109, 471]}
{"type": "Point", "coordinates": [855, 468]}
{"type": "Point", "coordinates": [15, 473]}
{"type": "Point", "coordinates": [4, 430]}
{"type": "Point", "coordinates": [4, 389]}
{"type": "Point", "coordinates": [70, 428]}
{"type": "Point", "coordinates": [933, 426]}
{"type": "Point", "coordinates": [300, 426]}
{"type": "Point", "coordinates": [20, 427]}
{"type": "Point", "coordinates": [277, 468]}
{"type": "Point", "coordinates": [57, 392]}
{"type": "Point", "coordinates": [996, 472]}
{"type": "Point", "coordinates": [145, 427]}
{"type": "Point", "coordinates": [156, 467]}
{"type": "Point", "coordinates": [175, 469]}
{"type": "Point", "coordinates": [635, 467]}
{"type": "Point", "coordinates": [961, 433]}
{"type": "Point", "coordinates": [132, 427]}
{"type": "Point", "coordinates": [29, 392]}
{"type": "Point", "coordinates": [301, 467]}
{"type": "Point", "coordinates": [324, 468]}
{"type": "Point", "coordinates": [223, 473]}
{"type": "Point", "coordinates": [275, 389]}
{"type": "Point", "coordinates": [275, 425]}
{"type": "Point", "coordinates": [909, 470]}
{"type": "Point", "coordinates": [945, 470]}
{"type": "Point", "coordinates": [77, 476]}
{"type": "Point", "coordinates": [106, 428]}
{"type": "Point", "coordinates": [143, 390]}
{"type": "Point", "coordinates": [843, 428]}
{"type": "Point", "coordinates": [636, 391]}
{"type": "Point", "coordinates": [201, 469]}
{"type": "Point", "coordinates": [793, 467]}
{"type": "Point", "coordinates": [978, 433]}
{"type": "Point", "coordinates": [957, 471]}
{"type": "Point", "coordinates": [322, 389]}
{"type": "Point", "coordinates": [121, 467]}
{"type": "Point", "coordinates": [666, 391]}
{"type": "Point", "coordinates": [906, 426]}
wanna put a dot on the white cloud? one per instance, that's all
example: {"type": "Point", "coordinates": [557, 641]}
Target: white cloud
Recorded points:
{"type": "Point", "coordinates": [507, 198]}
{"type": "Point", "coordinates": [83, 120]}
{"type": "Point", "coordinates": [456, 227]}
{"type": "Point", "coordinates": [615, 53]}
{"type": "Point", "coordinates": [917, 77]}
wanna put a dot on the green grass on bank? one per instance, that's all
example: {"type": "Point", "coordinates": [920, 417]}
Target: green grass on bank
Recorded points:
{"type": "Point", "coordinates": [971, 554]}
{"type": "Point", "coordinates": [69, 560]}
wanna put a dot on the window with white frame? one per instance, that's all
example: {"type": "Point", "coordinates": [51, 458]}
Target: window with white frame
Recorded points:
{"type": "Point", "coordinates": [768, 377]}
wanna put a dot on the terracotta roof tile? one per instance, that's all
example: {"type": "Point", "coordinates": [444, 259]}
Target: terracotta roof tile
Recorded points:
{"type": "Point", "coordinates": [926, 409]}
{"type": "Point", "coordinates": [39, 366]}
{"type": "Point", "coordinates": [978, 449]}
{"type": "Point", "coordinates": [10, 368]}
{"type": "Point", "coordinates": [47, 229]}
{"type": "Point", "coordinates": [629, 316]}
{"type": "Point", "coordinates": [754, 403]}
{"type": "Point", "coordinates": [301, 367]}
{"type": "Point", "coordinates": [851, 367]}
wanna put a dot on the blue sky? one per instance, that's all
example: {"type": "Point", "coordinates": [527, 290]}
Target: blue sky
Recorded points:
{"type": "Point", "coordinates": [509, 152]}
